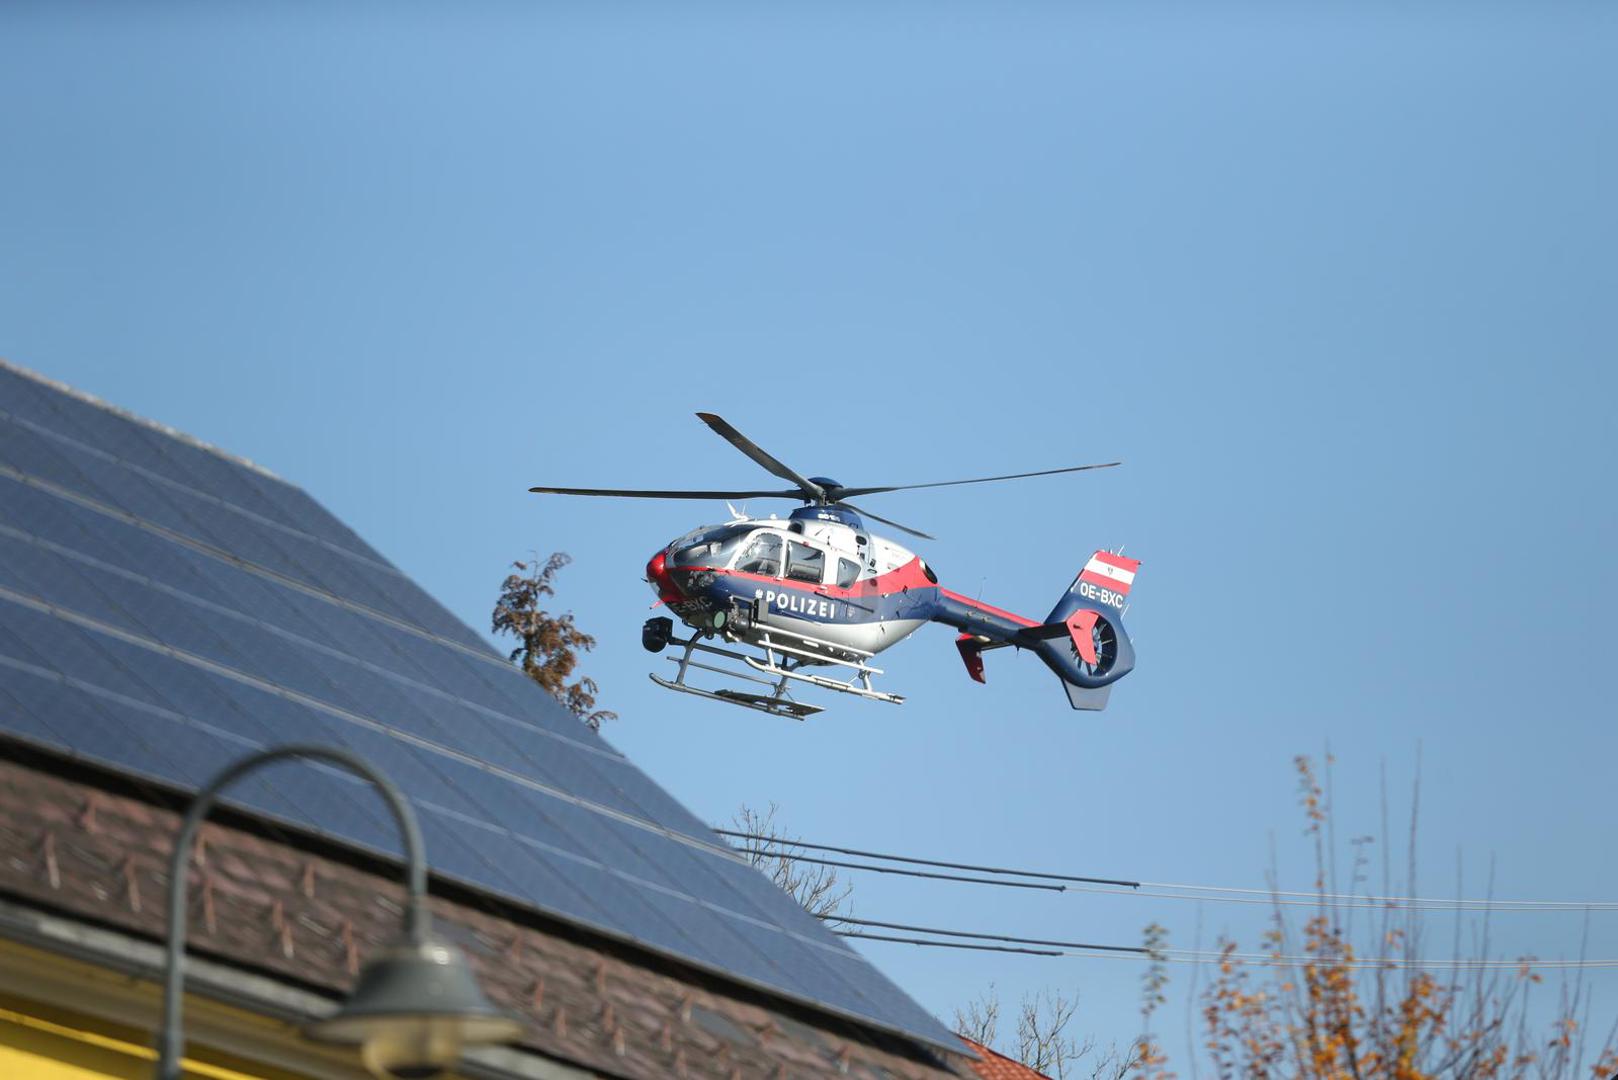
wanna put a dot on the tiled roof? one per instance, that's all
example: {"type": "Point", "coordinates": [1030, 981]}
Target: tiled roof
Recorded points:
{"type": "Point", "coordinates": [995, 1066]}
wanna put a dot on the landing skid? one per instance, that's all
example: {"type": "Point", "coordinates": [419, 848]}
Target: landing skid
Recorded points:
{"type": "Point", "coordinates": [810, 650]}
{"type": "Point", "coordinates": [776, 706]}
{"type": "Point", "coordinates": [783, 662]}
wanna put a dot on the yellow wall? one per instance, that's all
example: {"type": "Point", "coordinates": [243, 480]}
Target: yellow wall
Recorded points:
{"type": "Point", "coordinates": [63, 1018]}
{"type": "Point", "coordinates": [67, 1019]}
{"type": "Point", "coordinates": [31, 1051]}
{"type": "Point", "coordinates": [34, 1047]}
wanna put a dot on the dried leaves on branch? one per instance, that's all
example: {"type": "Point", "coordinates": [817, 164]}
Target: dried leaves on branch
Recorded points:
{"type": "Point", "coordinates": [1329, 999]}
{"type": "Point", "coordinates": [548, 645]}
{"type": "Point", "coordinates": [1317, 1011]}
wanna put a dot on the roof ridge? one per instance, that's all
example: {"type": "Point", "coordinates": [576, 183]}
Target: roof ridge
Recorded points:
{"type": "Point", "coordinates": [157, 426]}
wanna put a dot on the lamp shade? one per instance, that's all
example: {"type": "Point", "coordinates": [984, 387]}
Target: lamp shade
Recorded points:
{"type": "Point", "coordinates": [413, 1010]}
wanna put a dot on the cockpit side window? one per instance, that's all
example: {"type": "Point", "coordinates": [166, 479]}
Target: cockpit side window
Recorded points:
{"type": "Point", "coordinates": [805, 563]}
{"type": "Point", "coordinates": [848, 572]}
{"type": "Point", "coordinates": [709, 547]}
{"type": "Point", "coordinates": [762, 555]}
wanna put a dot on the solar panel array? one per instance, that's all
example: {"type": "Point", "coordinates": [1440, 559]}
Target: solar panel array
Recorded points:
{"type": "Point", "coordinates": [165, 608]}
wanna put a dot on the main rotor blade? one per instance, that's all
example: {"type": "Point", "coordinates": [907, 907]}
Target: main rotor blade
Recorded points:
{"type": "Point", "coordinates": [977, 480]}
{"type": "Point", "coordinates": [885, 521]}
{"type": "Point", "coordinates": [752, 450]}
{"type": "Point", "coordinates": [633, 494]}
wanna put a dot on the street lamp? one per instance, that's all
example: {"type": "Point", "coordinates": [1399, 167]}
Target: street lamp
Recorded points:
{"type": "Point", "coordinates": [413, 1008]}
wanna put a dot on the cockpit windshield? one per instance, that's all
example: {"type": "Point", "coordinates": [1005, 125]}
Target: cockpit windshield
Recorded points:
{"type": "Point", "coordinates": [707, 547]}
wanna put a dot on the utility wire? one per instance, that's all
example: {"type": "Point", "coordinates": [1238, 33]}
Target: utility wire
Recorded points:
{"type": "Point", "coordinates": [1323, 900]}
{"type": "Point", "coordinates": [984, 937]}
{"type": "Point", "coordinates": [1287, 960]}
{"type": "Point", "coordinates": [1165, 890]}
{"type": "Point", "coordinates": [1193, 956]}
{"type": "Point", "coordinates": [1434, 901]}
{"type": "Point", "coordinates": [918, 873]}
{"type": "Point", "coordinates": [776, 841]}
{"type": "Point", "coordinates": [1178, 891]}
{"type": "Point", "coordinates": [947, 944]}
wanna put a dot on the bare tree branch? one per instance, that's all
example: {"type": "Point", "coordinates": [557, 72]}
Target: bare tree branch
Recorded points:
{"type": "Point", "coordinates": [1042, 1040]}
{"type": "Point", "coordinates": [816, 888]}
{"type": "Point", "coordinates": [980, 1019]}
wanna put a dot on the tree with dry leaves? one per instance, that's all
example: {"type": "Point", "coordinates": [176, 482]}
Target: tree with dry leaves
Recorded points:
{"type": "Point", "coordinates": [1326, 999]}
{"type": "Point", "coordinates": [1314, 1005]}
{"type": "Point", "coordinates": [548, 645]}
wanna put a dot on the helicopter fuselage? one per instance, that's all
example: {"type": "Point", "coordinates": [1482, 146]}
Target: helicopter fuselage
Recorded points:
{"type": "Point", "coordinates": [818, 575]}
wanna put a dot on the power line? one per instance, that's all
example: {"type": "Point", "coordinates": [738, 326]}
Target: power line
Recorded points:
{"type": "Point", "coordinates": [776, 841]}
{"type": "Point", "coordinates": [947, 944]}
{"type": "Point", "coordinates": [1289, 960]}
{"type": "Point", "coordinates": [984, 937]}
{"type": "Point", "coordinates": [1008, 943]}
{"type": "Point", "coordinates": [1165, 890]}
{"type": "Point", "coordinates": [1411, 901]}
{"type": "Point", "coordinates": [1343, 901]}
{"type": "Point", "coordinates": [918, 873]}
{"type": "Point", "coordinates": [1206, 956]}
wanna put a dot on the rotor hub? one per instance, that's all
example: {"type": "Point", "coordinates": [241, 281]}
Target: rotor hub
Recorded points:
{"type": "Point", "coordinates": [827, 485]}
{"type": "Point", "coordinates": [827, 512]}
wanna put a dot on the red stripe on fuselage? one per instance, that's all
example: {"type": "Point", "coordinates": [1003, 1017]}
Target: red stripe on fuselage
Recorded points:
{"type": "Point", "coordinates": [988, 608]}
{"type": "Point", "coordinates": [908, 576]}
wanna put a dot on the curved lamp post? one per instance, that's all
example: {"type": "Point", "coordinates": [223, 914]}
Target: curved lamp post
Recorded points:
{"type": "Point", "coordinates": [412, 1009]}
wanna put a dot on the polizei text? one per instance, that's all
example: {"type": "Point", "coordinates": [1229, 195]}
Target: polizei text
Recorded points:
{"type": "Point", "coordinates": [796, 603]}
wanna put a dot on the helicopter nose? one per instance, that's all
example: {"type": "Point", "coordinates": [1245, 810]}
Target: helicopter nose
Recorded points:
{"type": "Point", "coordinates": [657, 574]}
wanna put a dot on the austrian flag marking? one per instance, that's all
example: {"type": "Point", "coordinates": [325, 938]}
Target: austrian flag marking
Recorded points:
{"type": "Point", "coordinates": [1110, 571]}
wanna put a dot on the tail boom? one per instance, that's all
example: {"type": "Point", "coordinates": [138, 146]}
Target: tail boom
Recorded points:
{"type": "Point", "coordinates": [1082, 640]}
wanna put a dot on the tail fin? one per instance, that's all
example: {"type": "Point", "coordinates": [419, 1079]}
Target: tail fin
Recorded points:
{"type": "Point", "coordinates": [1083, 639]}
{"type": "Point", "coordinates": [1106, 579]}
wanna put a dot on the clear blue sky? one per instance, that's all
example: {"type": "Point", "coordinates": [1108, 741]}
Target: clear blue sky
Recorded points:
{"type": "Point", "coordinates": [1336, 282]}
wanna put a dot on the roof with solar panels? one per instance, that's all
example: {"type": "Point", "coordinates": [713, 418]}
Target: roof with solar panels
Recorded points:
{"type": "Point", "coordinates": [166, 607]}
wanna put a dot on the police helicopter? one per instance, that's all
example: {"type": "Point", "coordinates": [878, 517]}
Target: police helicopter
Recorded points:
{"type": "Point", "coordinates": [817, 596]}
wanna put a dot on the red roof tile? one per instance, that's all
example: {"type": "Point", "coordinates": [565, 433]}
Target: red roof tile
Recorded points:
{"type": "Point", "coordinates": [995, 1066]}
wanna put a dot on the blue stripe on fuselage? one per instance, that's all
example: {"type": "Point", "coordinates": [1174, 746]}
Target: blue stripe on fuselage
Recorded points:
{"type": "Point", "coordinates": [800, 600]}
{"type": "Point", "coordinates": [859, 605]}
